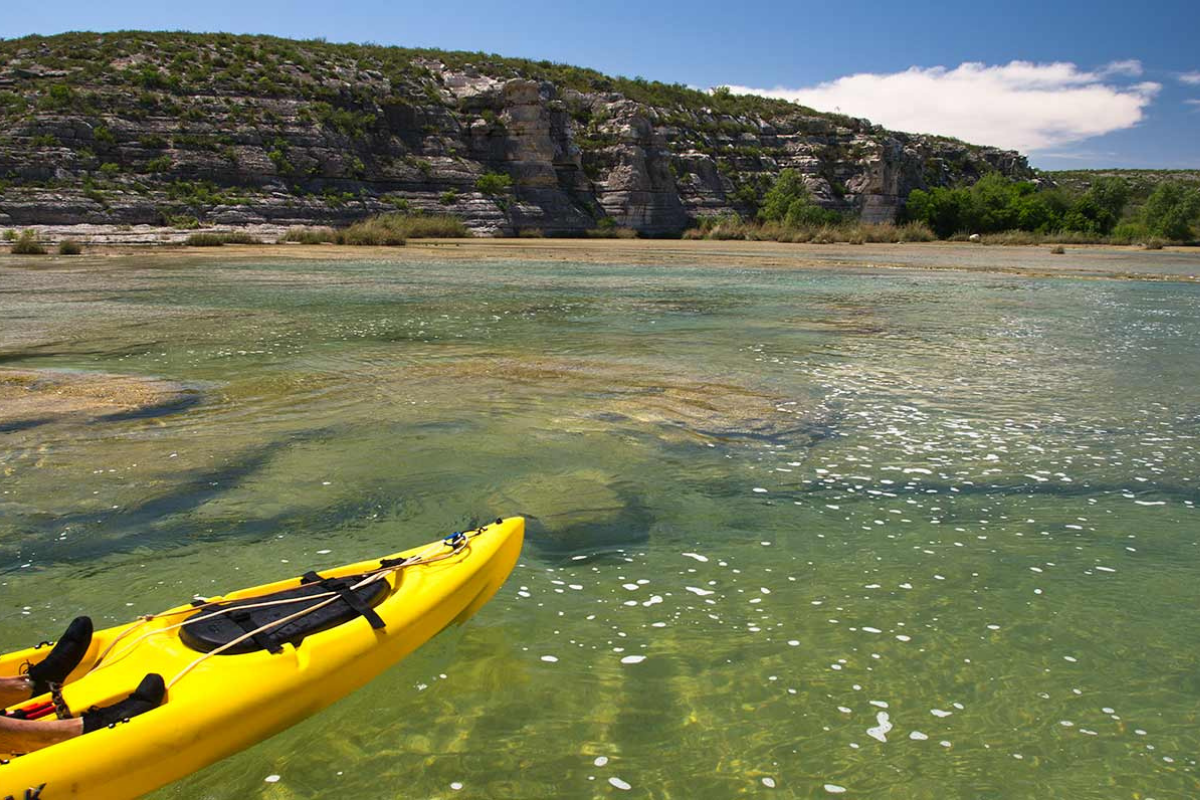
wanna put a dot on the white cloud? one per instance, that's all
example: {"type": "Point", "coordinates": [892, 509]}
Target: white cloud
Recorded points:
{"type": "Point", "coordinates": [1190, 78]}
{"type": "Point", "coordinates": [1130, 68]}
{"type": "Point", "coordinates": [1019, 105]}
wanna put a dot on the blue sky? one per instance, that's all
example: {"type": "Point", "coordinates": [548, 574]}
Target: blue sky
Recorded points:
{"type": "Point", "coordinates": [1105, 85]}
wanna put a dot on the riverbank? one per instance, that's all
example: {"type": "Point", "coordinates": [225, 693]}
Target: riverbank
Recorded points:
{"type": "Point", "coordinates": [1078, 261]}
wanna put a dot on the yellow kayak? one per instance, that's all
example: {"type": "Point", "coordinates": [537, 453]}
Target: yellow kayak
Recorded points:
{"type": "Point", "coordinates": [242, 667]}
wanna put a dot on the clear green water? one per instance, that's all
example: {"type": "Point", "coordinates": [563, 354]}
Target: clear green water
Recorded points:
{"type": "Point", "coordinates": [800, 496]}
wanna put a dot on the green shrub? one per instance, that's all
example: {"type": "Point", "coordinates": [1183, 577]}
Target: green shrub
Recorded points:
{"type": "Point", "coordinates": [493, 183]}
{"type": "Point", "coordinates": [160, 164]}
{"type": "Point", "coordinates": [448, 197]}
{"type": "Point", "coordinates": [60, 96]}
{"type": "Point", "coordinates": [10, 235]}
{"type": "Point", "coordinates": [152, 141]}
{"type": "Point", "coordinates": [12, 103]}
{"type": "Point", "coordinates": [423, 165]}
{"type": "Point", "coordinates": [355, 167]}
{"type": "Point", "coordinates": [69, 247]}
{"type": "Point", "coordinates": [102, 134]}
{"type": "Point", "coordinates": [348, 122]}
{"type": "Point", "coordinates": [1129, 233]}
{"type": "Point", "coordinates": [44, 140]}
{"type": "Point", "coordinates": [804, 213]}
{"type": "Point", "coordinates": [27, 244]}
{"type": "Point", "coordinates": [280, 160]}
{"type": "Point", "coordinates": [109, 169]}
{"type": "Point", "coordinates": [183, 222]}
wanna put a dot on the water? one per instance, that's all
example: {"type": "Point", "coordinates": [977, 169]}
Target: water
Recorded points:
{"type": "Point", "coordinates": [906, 534]}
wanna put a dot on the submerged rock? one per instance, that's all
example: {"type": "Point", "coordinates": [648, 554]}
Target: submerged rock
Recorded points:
{"type": "Point", "coordinates": [583, 511]}
{"type": "Point", "coordinates": [30, 398]}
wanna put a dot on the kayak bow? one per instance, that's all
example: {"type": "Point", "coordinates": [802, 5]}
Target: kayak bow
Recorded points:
{"type": "Point", "coordinates": [243, 667]}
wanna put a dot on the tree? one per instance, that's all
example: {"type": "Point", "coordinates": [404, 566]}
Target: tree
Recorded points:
{"type": "Point", "coordinates": [1088, 216]}
{"type": "Point", "coordinates": [788, 188]}
{"type": "Point", "coordinates": [945, 211]}
{"type": "Point", "coordinates": [1170, 211]}
{"type": "Point", "coordinates": [1035, 212]}
{"type": "Point", "coordinates": [1099, 209]}
{"type": "Point", "coordinates": [1110, 194]}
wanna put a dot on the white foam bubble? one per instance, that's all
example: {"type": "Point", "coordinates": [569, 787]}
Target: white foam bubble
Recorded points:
{"type": "Point", "coordinates": [881, 730]}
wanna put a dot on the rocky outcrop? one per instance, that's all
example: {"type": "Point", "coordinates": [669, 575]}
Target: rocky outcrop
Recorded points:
{"type": "Point", "coordinates": [133, 129]}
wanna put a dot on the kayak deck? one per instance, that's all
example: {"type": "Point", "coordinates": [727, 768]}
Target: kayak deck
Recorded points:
{"type": "Point", "coordinates": [205, 715]}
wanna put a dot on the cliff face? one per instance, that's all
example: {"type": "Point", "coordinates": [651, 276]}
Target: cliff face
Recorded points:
{"type": "Point", "coordinates": [136, 128]}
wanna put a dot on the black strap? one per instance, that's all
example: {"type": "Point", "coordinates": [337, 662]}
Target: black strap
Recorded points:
{"type": "Point", "coordinates": [344, 588]}
{"type": "Point", "coordinates": [263, 639]}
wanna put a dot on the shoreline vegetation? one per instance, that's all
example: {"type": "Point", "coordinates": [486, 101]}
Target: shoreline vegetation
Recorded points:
{"type": "Point", "coordinates": [992, 211]}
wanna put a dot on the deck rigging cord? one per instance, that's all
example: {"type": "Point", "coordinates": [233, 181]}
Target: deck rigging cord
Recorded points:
{"type": "Point", "coordinates": [457, 542]}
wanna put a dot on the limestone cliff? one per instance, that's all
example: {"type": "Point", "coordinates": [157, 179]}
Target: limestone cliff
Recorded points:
{"type": "Point", "coordinates": [132, 128]}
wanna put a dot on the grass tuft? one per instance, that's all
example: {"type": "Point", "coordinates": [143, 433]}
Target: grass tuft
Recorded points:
{"type": "Point", "coordinates": [394, 229]}
{"type": "Point", "coordinates": [310, 235]}
{"type": "Point", "coordinates": [207, 239]}
{"type": "Point", "coordinates": [730, 227]}
{"type": "Point", "coordinates": [611, 232]}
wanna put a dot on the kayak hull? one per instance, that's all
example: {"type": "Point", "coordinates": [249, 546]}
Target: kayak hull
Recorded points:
{"type": "Point", "coordinates": [227, 703]}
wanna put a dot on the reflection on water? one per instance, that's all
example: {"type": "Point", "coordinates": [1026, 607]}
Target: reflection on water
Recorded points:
{"type": "Point", "coordinates": [910, 535]}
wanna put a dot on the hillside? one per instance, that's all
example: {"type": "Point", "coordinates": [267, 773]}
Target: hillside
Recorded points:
{"type": "Point", "coordinates": [1141, 182]}
{"type": "Point", "coordinates": [175, 128]}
